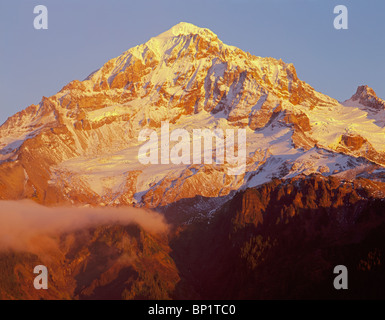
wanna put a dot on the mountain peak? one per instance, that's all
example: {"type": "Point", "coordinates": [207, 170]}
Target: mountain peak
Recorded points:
{"type": "Point", "coordinates": [363, 91]}
{"type": "Point", "coordinates": [185, 28]}
{"type": "Point", "coordinates": [181, 32]}
{"type": "Point", "coordinates": [368, 98]}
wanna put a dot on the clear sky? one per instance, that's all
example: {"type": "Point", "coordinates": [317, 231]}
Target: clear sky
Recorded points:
{"type": "Point", "coordinates": [84, 34]}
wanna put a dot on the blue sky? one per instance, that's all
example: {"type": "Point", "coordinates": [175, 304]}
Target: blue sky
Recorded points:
{"type": "Point", "coordinates": [84, 34]}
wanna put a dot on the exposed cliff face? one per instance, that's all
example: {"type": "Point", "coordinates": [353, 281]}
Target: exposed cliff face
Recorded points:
{"type": "Point", "coordinates": [367, 97]}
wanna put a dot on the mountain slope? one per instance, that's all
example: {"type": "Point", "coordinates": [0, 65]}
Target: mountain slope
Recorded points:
{"type": "Point", "coordinates": [283, 239]}
{"type": "Point", "coordinates": [280, 240]}
{"type": "Point", "coordinates": [109, 261]}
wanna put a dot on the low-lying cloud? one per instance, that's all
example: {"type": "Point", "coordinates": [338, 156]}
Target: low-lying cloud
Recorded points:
{"type": "Point", "coordinates": [25, 225]}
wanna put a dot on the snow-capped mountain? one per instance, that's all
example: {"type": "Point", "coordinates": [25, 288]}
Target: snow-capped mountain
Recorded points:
{"type": "Point", "coordinates": [81, 145]}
